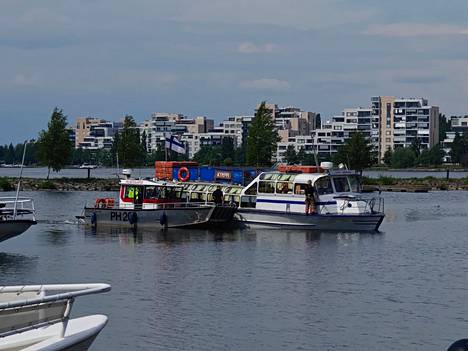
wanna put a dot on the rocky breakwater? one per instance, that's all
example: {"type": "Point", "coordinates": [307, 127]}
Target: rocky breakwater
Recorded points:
{"type": "Point", "coordinates": [61, 184]}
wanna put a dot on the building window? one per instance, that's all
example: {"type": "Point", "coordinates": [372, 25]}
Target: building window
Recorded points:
{"type": "Point", "coordinates": [389, 116]}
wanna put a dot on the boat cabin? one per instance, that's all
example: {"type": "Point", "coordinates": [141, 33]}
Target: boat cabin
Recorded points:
{"type": "Point", "coordinates": [148, 194]}
{"type": "Point", "coordinates": [279, 191]}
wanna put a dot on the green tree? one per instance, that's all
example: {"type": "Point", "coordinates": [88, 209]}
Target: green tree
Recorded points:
{"type": "Point", "coordinates": [290, 155]}
{"type": "Point", "coordinates": [54, 144]}
{"type": "Point", "coordinates": [404, 157]}
{"type": "Point", "coordinates": [444, 127]}
{"type": "Point", "coordinates": [457, 148]}
{"type": "Point", "coordinates": [387, 159]}
{"type": "Point", "coordinates": [357, 153]}
{"type": "Point", "coordinates": [262, 138]}
{"type": "Point", "coordinates": [301, 155]}
{"type": "Point", "coordinates": [127, 145]}
{"type": "Point", "coordinates": [416, 145]}
{"type": "Point", "coordinates": [227, 148]}
{"type": "Point", "coordinates": [209, 155]}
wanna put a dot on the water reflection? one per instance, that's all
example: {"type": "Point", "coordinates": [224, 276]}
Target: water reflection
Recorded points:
{"type": "Point", "coordinates": [55, 236]}
{"type": "Point", "coordinates": [13, 264]}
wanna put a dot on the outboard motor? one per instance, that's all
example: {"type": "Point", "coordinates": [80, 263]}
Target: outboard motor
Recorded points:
{"type": "Point", "coordinates": [460, 345]}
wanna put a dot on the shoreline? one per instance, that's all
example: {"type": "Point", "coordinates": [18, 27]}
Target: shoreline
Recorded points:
{"type": "Point", "coordinates": [104, 184]}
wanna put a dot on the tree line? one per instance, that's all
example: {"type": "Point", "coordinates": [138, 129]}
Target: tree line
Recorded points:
{"type": "Point", "coordinates": [55, 150]}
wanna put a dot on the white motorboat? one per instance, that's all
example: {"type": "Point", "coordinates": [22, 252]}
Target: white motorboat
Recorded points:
{"type": "Point", "coordinates": [37, 318]}
{"type": "Point", "coordinates": [276, 199]}
{"type": "Point", "coordinates": [16, 216]}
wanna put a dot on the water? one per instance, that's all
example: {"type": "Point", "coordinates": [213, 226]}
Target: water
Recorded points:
{"type": "Point", "coordinates": [41, 172]}
{"type": "Point", "coordinates": [402, 289]}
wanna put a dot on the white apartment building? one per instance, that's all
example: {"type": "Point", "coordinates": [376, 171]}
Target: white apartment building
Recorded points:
{"type": "Point", "coordinates": [404, 120]}
{"type": "Point", "coordinates": [161, 124]}
{"type": "Point", "coordinates": [238, 127]}
{"type": "Point", "coordinates": [194, 142]}
{"type": "Point", "coordinates": [95, 133]}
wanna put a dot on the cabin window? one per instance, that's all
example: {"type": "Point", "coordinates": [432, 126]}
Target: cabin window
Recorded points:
{"type": "Point", "coordinates": [324, 186]}
{"type": "Point", "coordinates": [355, 185]}
{"type": "Point", "coordinates": [284, 188]}
{"type": "Point", "coordinates": [341, 184]}
{"type": "Point", "coordinates": [266, 187]}
{"type": "Point", "coordinates": [251, 190]}
{"type": "Point", "coordinates": [132, 191]}
{"type": "Point", "coordinates": [299, 189]}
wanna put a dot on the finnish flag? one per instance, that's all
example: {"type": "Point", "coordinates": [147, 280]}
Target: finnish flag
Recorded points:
{"type": "Point", "coordinates": [175, 145]}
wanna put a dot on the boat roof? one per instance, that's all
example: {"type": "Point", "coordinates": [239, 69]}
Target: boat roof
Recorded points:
{"type": "Point", "coordinates": [149, 182]}
{"type": "Point", "coordinates": [303, 177]}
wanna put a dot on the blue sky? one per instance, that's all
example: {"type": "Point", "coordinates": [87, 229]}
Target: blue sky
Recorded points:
{"type": "Point", "coordinates": [108, 58]}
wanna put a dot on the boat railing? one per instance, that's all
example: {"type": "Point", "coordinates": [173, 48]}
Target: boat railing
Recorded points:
{"type": "Point", "coordinates": [27, 307]}
{"type": "Point", "coordinates": [10, 206]}
{"type": "Point", "coordinates": [371, 205]}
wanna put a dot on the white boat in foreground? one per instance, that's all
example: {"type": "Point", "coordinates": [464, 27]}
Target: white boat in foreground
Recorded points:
{"type": "Point", "coordinates": [16, 216]}
{"type": "Point", "coordinates": [37, 318]}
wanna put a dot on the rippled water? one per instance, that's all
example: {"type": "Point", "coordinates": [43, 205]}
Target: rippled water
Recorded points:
{"type": "Point", "coordinates": [405, 288]}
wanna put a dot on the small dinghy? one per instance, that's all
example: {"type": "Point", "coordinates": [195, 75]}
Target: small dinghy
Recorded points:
{"type": "Point", "coordinates": [37, 317]}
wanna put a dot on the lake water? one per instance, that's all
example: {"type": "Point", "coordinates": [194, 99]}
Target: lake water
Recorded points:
{"type": "Point", "coordinates": [405, 288]}
{"type": "Point", "coordinates": [41, 172]}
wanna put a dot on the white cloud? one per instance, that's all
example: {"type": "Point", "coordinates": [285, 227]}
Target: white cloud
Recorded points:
{"type": "Point", "coordinates": [415, 30]}
{"type": "Point", "coordinates": [251, 48]}
{"type": "Point", "coordinates": [25, 80]}
{"type": "Point", "coordinates": [270, 84]}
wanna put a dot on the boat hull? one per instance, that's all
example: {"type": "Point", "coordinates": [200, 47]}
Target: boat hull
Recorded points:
{"type": "Point", "coordinates": [11, 228]}
{"type": "Point", "coordinates": [254, 218]}
{"type": "Point", "coordinates": [159, 218]}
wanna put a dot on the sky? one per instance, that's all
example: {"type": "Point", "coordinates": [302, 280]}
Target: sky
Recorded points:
{"type": "Point", "coordinates": [109, 58]}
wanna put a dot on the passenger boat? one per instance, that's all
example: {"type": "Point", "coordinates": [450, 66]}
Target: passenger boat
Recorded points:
{"type": "Point", "coordinates": [37, 317]}
{"type": "Point", "coordinates": [276, 199]}
{"type": "Point", "coordinates": [16, 216]}
{"type": "Point", "coordinates": [152, 203]}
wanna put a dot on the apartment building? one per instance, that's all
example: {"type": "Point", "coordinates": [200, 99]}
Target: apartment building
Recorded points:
{"type": "Point", "coordinates": [404, 120]}
{"type": "Point", "coordinates": [95, 133]}
{"type": "Point", "coordinates": [238, 127]}
{"type": "Point", "coordinates": [161, 124]}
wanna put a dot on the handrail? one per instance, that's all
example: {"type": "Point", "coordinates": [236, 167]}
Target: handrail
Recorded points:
{"type": "Point", "coordinates": [73, 290]}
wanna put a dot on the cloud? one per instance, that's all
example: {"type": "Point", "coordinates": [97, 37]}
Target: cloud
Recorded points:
{"type": "Point", "coordinates": [251, 48]}
{"type": "Point", "coordinates": [415, 30]}
{"type": "Point", "coordinates": [269, 84]}
{"type": "Point", "coordinates": [25, 80]}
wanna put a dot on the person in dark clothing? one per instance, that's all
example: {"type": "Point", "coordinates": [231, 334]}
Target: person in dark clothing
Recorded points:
{"type": "Point", "coordinates": [309, 192]}
{"type": "Point", "coordinates": [218, 196]}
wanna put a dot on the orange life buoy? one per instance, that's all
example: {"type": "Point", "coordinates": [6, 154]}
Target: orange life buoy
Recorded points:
{"type": "Point", "coordinates": [100, 203]}
{"type": "Point", "coordinates": [181, 176]}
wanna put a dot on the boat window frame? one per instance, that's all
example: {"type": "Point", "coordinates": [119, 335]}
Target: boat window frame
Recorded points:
{"type": "Point", "coordinates": [346, 183]}
{"type": "Point", "coordinates": [320, 179]}
{"type": "Point", "coordinates": [272, 183]}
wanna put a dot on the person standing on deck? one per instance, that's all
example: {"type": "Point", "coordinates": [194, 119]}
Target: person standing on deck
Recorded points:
{"type": "Point", "coordinates": [218, 196]}
{"type": "Point", "coordinates": [309, 192]}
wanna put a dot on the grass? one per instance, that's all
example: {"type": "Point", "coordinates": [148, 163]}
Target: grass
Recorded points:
{"type": "Point", "coordinates": [46, 185]}
{"type": "Point", "coordinates": [5, 184]}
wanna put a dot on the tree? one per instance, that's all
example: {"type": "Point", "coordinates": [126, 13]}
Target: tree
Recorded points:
{"type": "Point", "coordinates": [127, 145]}
{"type": "Point", "coordinates": [444, 127]}
{"type": "Point", "coordinates": [301, 155]}
{"type": "Point", "coordinates": [416, 146]}
{"type": "Point", "coordinates": [290, 155]}
{"type": "Point", "coordinates": [387, 159]}
{"type": "Point", "coordinates": [54, 145]}
{"type": "Point", "coordinates": [262, 138]}
{"type": "Point", "coordinates": [458, 148]}
{"type": "Point", "coordinates": [432, 156]}
{"type": "Point", "coordinates": [357, 153]}
{"type": "Point", "coordinates": [227, 148]}
{"type": "Point", "coordinates": [404, 157]}
{"type": "Point", "coordinates": [209, 155]}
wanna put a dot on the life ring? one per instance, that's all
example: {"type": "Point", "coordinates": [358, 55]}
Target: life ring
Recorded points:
{"type": "Point", "coordinates": [100, 203]}
{"type": "Point", "coordinates": [181, 176]}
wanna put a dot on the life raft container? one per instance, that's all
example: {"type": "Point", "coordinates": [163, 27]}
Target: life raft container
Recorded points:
{"type": "Point", "coordinates": [183, 174]}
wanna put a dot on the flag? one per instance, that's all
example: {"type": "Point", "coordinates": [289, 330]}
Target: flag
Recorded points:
{"type": "Point", "coordinates": [175, 145]}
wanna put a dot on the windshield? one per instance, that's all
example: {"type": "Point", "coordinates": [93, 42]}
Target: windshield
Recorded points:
{"type": "Point", "coordinates": [341, 184]}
